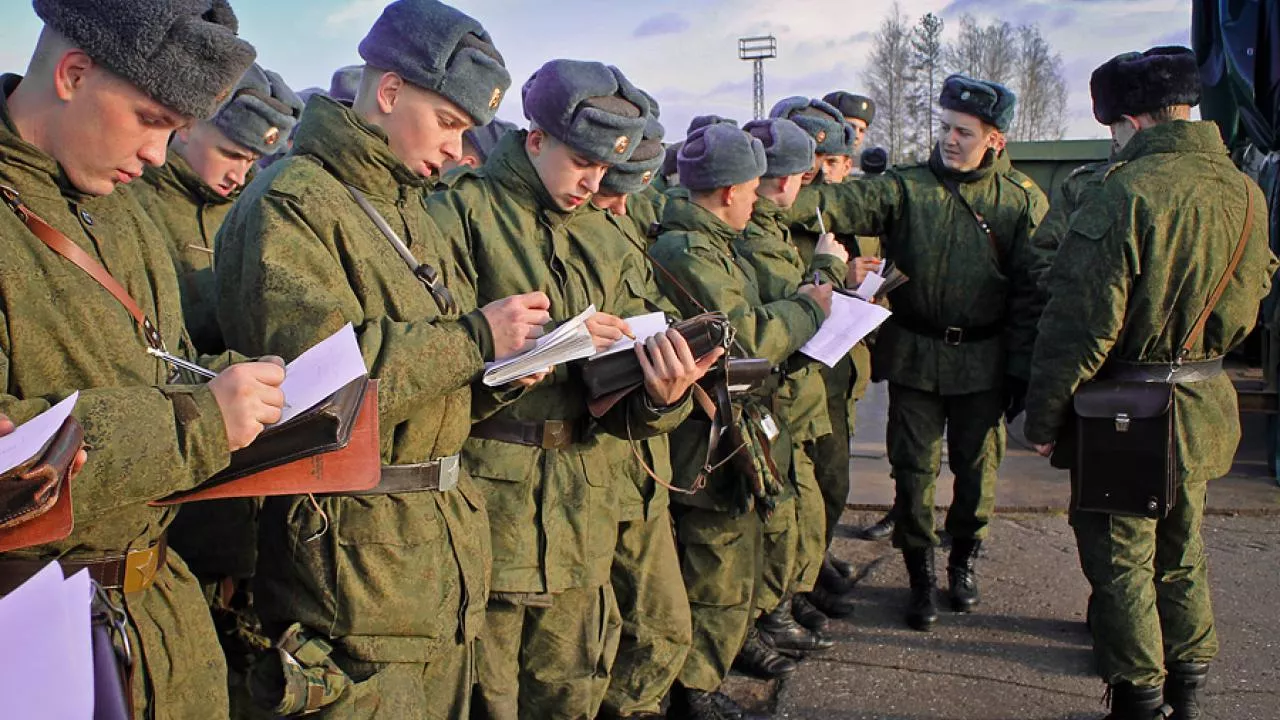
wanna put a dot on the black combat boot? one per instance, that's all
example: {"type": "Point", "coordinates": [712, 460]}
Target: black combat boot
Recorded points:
{"type": "Point", "coordinates": [847, 570]}
{"type": "Point", "coordinates": [759, 659]}
{"type": "Point", "coordinates": [833, 605]}
{"type": "Point", "coordinates": [832, 579]}
{"type": "Point", "coordinates": [922, 608]}
{"type": "Point", "coordinates": [880, 531]}
{"type": "Point", "coordinates": [788, 636]}
{"type": "Point", "coordinates": [688, 704]}
{"type": "Point", "coordinates": [961, 578]}
{"type": "Point", "coordinates": [808, 615]}
{"type": "Point", "coordinates": [1130, 702]}
{"type": "Point", "coordinates": [1182, 688]}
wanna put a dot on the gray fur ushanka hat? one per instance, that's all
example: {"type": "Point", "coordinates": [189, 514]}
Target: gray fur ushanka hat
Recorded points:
{"type": "Point", "coordinates": [261, 112]}
{"type": "Point", "coordinates": [1137, 83]}
{"type": "Point", "coordinates": [720, 156]}
{"type": "Point", "coordinates": [788, 149]}
{"type": "Point", "coordinates": [821, 120]}
{"type": "Point", "coordinates": [589, 106]}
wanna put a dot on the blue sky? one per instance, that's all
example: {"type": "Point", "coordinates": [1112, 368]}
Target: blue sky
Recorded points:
{"type": "Point", "coordinates": [684, 52]}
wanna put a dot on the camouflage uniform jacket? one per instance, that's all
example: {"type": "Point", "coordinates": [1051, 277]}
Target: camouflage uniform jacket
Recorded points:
{"type": "Point", "coordinates": [958, 276]}
{"type": "Point", "coordinates": [1132, 276]}
{"type": "Point", "coordinates": [699, 251]}
{"type": "Point", "coordinates": [555, 512]}
{"type": "Point", "coordinates": [62, 332]}
{"type": "Point", "coordinates": [396, 576]}
{"type": "Point", "coordinates": [1067, 198]}
{"type": "Point", "coordinates": [645, 208]}
{"type": "Point", "coordinates": [779, 271]}
{"type": "Point", "coordinates": [1039, 201]}
{"type": "Point", "coordinates": [190, 213]}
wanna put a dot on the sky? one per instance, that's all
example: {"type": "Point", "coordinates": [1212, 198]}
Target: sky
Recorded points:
{"type": "Point", "coordinates": [684, 52]}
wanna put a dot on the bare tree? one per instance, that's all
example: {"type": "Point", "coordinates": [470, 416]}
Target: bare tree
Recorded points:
{"type": "Point", "coordinates": [888, 78]}
{"type": "Point", "coordinates": [986, 53]}
{"type": "Point", "coordinates": [926, 64]}
{"type": "Point", "coordinates": [1042, 89]}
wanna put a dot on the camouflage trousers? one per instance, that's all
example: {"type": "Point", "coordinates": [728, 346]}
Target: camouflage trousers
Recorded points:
{"type": "Point", "coordinates": [720, 557]}
{"type": "Point", "coordinates": [974, 429]}
{"type": "Point", "coordinates": [1150, 581]}
{"type": "Point", "coordinates": [794, 539]}
{"type": "Point", "coordinates": [437, 690]}
{"type": "Point", "coordinates": [546, 656]}
{"type": "Point", "coordinates": [656, 626]}
{"type": "Point", "coordinates": [830, 453]}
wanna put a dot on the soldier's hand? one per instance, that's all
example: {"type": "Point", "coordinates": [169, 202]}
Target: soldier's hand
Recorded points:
{"type": "Point", "coordinates": [7, 426]}
{"type": "Point", "coordinates": [669, 367]}
{"type": "Point", "coordinates": [1045, 450]}
{"type": "Point", "coordinates": [529, 381]}
{"type": "Point", "coordinates": [250, 398]}
{"type": "Point", "coordinates": [829, 245]}
{"type": "Point", "coordinates": [516, 322]}
{"type": "Point", "coordinates": [821, 294]}
{"type": "Point", "coordinates": [607, 329]}
{"type": "Point", "coordinates": [859, 269]}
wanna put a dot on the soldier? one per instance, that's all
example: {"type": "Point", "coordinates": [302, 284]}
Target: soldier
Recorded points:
{"type": "Point", "coordinates": [1132, 275]}
{"type": "Point", "coordinates": [627, 189]}
{"type": "Point", "coordinates": [1067, 198]}
{"type": "Point", "coordinates": [209, 163]}
{"type": "Point", "coordinates": [107, 84]}
{"type": "Point", "coordinates": [389, 584]}
{"type": "Point", "coordinates": [549, 481]}
{"type": "Point", "coordinates": [719, 531]}
{"type": "Point", "coordinates": [858, 110]}
{"type": "Point", "coordinates": [795, 536]}
{"type": "Point", "coordinates": [957, 349]}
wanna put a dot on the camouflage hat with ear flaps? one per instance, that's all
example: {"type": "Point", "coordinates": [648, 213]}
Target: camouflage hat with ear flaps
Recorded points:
{"type": "Point", "coordinates": [184, 54]}
{"type": "Point", "coordinates": [821, 120]}
{"type": "Point", "coordinates": [261, 113]}
{"type": "Point", "coordinates": [1137, 83]}
{"type": "Point", "coordinates": [720, 156]}
{"type": "Point", "coordinates": [441, 49]}
{"type": "Point", "coordinates": [589, 106]}
{"type": "Point", "coordinates": [788, 149]}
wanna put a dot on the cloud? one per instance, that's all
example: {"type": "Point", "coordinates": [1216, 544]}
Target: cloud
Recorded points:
{"type": "Point", "coordinates": [664, 24]}
{"type": "Point", "coordinates": [354, 12]}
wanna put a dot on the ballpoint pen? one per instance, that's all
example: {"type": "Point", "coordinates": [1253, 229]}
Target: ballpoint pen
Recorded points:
{"type": "Point", "coordinates": [181, 364]}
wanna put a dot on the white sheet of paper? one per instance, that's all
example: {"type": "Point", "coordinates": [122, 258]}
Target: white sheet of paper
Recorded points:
{"type": "Point", "coordinates": [570, 341]}
{"type": "Point", "coordinates": [870, 286]}
{"type": "Point", "coordinates": [851, 320]}
{"type": "Point", "coordinates": [643, 327]}
{"type": "Point", "coordinates": [31, 436]}
{"type": "Point", "coordinates": [46, 655]}
{"type": "Point", "coordinates": [321, 371]}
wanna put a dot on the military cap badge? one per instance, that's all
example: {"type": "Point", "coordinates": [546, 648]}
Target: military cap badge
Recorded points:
{"type": "Point", "coordinates": [271, 135]}
{"type": "Point", "coordinates": [621, 144]}
{"type": "Point", "coordinates": [495, 98]}
{"type": "Point", "coordinates": [646, 177]}
{"type": "Point", "coordinates": [822, 135]}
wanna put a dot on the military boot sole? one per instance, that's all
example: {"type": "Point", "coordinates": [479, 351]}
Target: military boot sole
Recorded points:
{"type": "Point", "coordinates": [922, 623]}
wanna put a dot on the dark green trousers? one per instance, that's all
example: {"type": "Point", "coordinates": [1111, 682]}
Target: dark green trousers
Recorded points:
{"type": "Point", "coordinates": [656, 627]}
{"type": "Point", "coordinates": [720, 557]}
{"type": "Point", "coordinates": [1150, 584]}
{"type": "Point", "coordinates": [974, 427]}
{"type": "Point", "coordinates": [830, 453]}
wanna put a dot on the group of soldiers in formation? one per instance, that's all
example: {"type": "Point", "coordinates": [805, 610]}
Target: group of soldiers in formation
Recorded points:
{"type": "Point", "coordinates": [520, 557]}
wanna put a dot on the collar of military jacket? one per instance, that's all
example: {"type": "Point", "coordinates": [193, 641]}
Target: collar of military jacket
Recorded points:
{"type": "Point", "coordinates": [683, 214]}
{"type": "Point", "coordinates": [1178, 136]}
{"type": "Point", "coordinates": [982, 172]}
{"type": "Point", "coordinates": [355, 151]}
{"type": "Point", "coordinates": [25, 164]}
{"type": "Point", "coordinates": [510, 167]}
{"type": "Point", "coordinates": [178, 175]}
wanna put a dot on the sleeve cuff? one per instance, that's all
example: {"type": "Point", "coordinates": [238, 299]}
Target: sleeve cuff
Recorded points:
{"type": "Point", "coordinates": [477, 326]}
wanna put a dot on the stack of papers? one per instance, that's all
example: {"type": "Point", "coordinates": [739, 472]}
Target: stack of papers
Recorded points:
{"type": "Point", "coordinates": [643, 327]}
{"type": "Point", "coordinates": [851, 320]}
{"type": "Point", "coordinates": [46, 656]}
{"type": "Point", "coordinates": [880, 283]}
{"type": "Point", "coordinates": [570, 341]}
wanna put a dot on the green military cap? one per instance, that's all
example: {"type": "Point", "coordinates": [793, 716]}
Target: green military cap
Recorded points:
{"type": "Point", "coordinates": [788, 149]}
{"type": "Point", "coordinates": [852, 106]}
{"type": "Point", "coordinates": [261, 112]}
{"type": "Point", "coordinates": [990, 102]}
{"type": "Point", "coordinates": [184, 54]}
{"type": "Point", "coordinates": [1137, 83]}
{"type": "Point", "coordinates": [589, 106]}
{"type": "Point", "coordinates": [441, 49]}
{"type": "Point", "coordinates": [821, 120]}
{"type": "Point", "coordinates": [719, 156]}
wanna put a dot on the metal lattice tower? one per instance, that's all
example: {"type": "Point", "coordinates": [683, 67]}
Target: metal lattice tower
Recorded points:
{"type": "Point", "coordinates": [758, 49]}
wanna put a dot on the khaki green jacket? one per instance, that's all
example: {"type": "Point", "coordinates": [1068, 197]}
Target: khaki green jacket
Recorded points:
{"type": "Point", "coordinates": [396, 576]}
{"type": "Point", "coordinates": [1039, 201]}
{"type": "Point", "coordinates": [554, 512]}
{"type": "Point", "coordinates": [1132, 275]}
{"type": "Point", "coordinates": [61, 332]}
{"type": "Point", "coordinates": [190, 213]}
{"type": "Point", "coordinates": [957, 277]}
{"type": "Point", "coordinates": [766, 246]}
{"type": "Point", "coordinates": [1067, 198]}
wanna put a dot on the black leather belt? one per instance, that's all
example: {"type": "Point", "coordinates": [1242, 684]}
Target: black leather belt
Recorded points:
{"type": "Point", "coordinates": [546, 434]}
{"type": "Point", "coordinates": [950, 335]}
{"type": "Point", "coordinates": [1187, 372]}
{"type": "Point", "coordinates": [438, 475]}
{"type": "Point", "coordinates": [130, 572]}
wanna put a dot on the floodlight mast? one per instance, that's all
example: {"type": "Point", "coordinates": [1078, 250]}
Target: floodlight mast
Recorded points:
{"type": "Point", "coordinates": [757, 49]}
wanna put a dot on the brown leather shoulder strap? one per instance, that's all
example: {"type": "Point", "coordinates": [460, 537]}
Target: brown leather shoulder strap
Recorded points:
{"type": "Point", "coordinates": [63, 245]}
{"type": "Point", "coordinates": [1198, 329]}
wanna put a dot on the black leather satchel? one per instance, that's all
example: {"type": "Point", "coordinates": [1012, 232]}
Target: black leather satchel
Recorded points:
{"type": "Point", "coordinates": [621, 370]}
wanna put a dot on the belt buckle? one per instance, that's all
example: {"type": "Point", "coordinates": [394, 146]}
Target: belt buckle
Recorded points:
{"type": "Point", "coordinates": [449, 471]}
{"type": "Point", "coordinates": [556, 434]}
{"type": "Point", "coordinates": [140, 568]}
{"type": "Point", "coordinates": [953, 336]}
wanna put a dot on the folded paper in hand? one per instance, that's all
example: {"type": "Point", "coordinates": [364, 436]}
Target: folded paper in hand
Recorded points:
{"type": "Point", "coordinates": [326, 368]}
{"type": "Point", "coordinates": [30, 438]}
{"type": "Point", "coordinates": [643, 327]}
{"type": "Point", "coordinates": [851, 320]}
{"type": "Point", "coordinates": [880, 283]}
{"type": "Point", "coordinates": [570, 341]}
